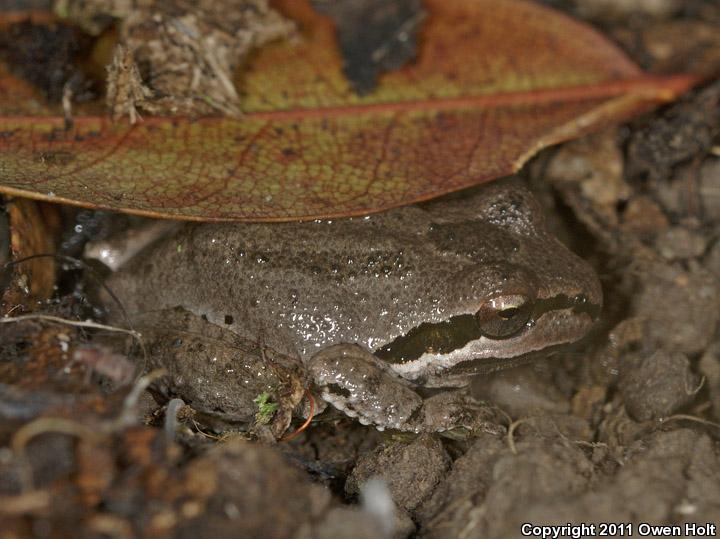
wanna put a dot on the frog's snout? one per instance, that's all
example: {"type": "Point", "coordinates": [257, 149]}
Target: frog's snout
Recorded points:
{"type": "Point", "coordinates": [583, 304]}
{"type": "Point", "coordinates": [569, 277]}
{"type": "Point", "coordinates": [590, 298]}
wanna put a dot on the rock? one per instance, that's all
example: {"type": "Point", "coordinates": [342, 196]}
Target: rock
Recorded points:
{"type": "Point", "coordinates": [684, 131]}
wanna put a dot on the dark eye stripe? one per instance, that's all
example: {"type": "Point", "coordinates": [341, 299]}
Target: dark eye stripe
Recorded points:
{"type": "Point", "coordinates": [507, 314]}
{"type": "Point", "coordinates": [456, 332]}
{"type": "Point", "coordinates": [441, 338]}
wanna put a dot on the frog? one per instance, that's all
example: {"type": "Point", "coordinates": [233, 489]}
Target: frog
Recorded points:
{"type": "Point", "coordinates": [380, 307]}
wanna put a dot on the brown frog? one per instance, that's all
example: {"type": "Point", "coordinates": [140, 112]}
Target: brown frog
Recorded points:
{"type": "Point", "coordinates": [428, 295]}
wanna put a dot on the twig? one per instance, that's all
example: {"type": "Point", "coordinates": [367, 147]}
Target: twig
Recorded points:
{"type": "Point", "coordinates": [42, 425]}
{"type": "Point", "coordinates": [76, 323]}
{"type": "Point", "coordinates": [511, 434]}
{"type": "Point", "coordinates": [79, 264]}
{"type": "Point", "coordinates": [693, 418]}
{"type": "Point", "coordinates": [127, 416]}
{"type": "Point", "coordinates": [27, 502]}
{"type": "Point", "coordinates": [171, 419]}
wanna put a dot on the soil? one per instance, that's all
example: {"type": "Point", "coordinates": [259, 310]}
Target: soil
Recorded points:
{"type": "Point", "coordinates": [621, 428]}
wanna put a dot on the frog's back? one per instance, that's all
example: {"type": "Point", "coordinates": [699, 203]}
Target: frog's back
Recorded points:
{"type": "Point", "coordinates": [297, 286]}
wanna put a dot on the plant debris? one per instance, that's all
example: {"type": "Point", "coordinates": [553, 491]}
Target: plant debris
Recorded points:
{"type": "Point", "coordinates": [125, 89]}
{"type": "Point", "coordinates": [177, 57]}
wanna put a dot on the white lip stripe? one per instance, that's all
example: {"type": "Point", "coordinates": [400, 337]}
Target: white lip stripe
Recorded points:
{"type": "Point", "coordinates": [482, 348]}
{"type": "Point", "coordinates": [478, 349]}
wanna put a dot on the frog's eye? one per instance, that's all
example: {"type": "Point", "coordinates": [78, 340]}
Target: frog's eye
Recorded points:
{"type": "Point", "coordinates": [504, 316]}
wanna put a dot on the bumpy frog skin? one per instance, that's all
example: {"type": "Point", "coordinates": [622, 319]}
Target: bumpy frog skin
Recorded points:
{"type": "Point", "coordinates": [437, 293]}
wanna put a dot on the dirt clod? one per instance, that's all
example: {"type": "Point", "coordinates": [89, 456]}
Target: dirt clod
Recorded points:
{"type": "Point", "coordinates": [679, 305]}
{"type": "Point", "coordinates": [685, 130]}
{"type": "Point", "coordinates": [411, 470]}
{"type": "Point", "coordinates": [489, 490]}
{"type": "Point", "coordinates": [655, 386]}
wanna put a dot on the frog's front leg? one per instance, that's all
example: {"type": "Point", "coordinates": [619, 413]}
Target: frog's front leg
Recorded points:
{"type": "Point", "coordinates": [359, 384]}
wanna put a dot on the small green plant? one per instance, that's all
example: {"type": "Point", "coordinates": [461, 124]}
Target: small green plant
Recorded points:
{"type": "Point", "coordinates": [266, 408]}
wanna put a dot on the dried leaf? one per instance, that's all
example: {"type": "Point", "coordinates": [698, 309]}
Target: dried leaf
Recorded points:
{"type": "Point", "coordinates": [494, 82]}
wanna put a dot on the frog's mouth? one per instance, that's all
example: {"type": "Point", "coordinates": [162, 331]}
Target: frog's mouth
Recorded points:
{"type": "Point", "coordinates": [455, 334]}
